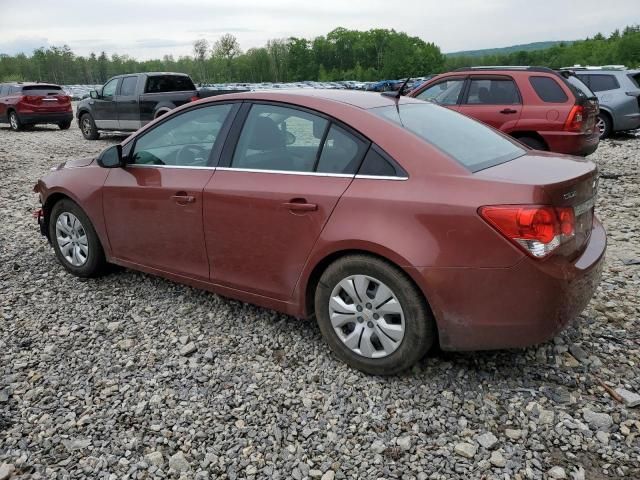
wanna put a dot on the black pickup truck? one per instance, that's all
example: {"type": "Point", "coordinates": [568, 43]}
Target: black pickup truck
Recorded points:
{"type": "Point", "coordinates": [127, 102]}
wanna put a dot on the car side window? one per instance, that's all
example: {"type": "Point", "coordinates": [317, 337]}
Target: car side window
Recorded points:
{"type": "Point", "coordinates": [279, 138]}
{"type": "Point", "coordinates": [602, 83]}
{"type": "Point", "coordinates": [341, 152]}
{"type": "Point", "coordinates": [548, 89]}
{"type": "Point", "coordinates": [3, 90]}
{"type": "Point", "coordinates": [446, 92]}
{"type": "Point", "coordinates": [375, 164]}
{"type": "Point", "coordinates": [492, 92]}
{"type": "Point", "coordinates": [185, 140]}
{"type": "Point", "coordinates": [128, 87]}
{"type": "Point", "coordinates": [109, 90]}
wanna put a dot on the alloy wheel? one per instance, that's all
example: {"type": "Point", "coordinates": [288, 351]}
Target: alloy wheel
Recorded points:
{"type": "Point", "coordinates": [367, 316]}
{"type": "Point", "coordinates": [72, 239]}
{"type": "Point", "coordinates": [601, 126]}
{"type": "Point", "coordinates": [86, 126]}
{"type": "Point", "coordinates": [13, 121]}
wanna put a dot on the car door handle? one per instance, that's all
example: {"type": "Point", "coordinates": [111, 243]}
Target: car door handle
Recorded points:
{"type": "Point", "coordinates": [508, 110]}
{"type": "Point", "coordinates": [183, 198]}
{"type": "Point", "coordinates": [300, 205]}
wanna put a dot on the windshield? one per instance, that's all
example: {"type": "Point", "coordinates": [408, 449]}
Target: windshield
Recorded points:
{"type": "Point", "coordinates": [467, 141]}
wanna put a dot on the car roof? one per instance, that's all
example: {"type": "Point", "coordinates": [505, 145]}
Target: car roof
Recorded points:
{"type": "Point", "coordinates": [359, 99]}
{"type": "Point", "coordinates": [30, 84]}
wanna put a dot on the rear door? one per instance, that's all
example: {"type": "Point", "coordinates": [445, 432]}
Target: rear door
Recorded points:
{"type": "Point", "coordinates": [494, 100]}
{"type": "Point", "coordinates": [446, 92]}
{"type": "Point", "coordinates": [127, 104]}
{"type": "Point", "coordinates": [280, 178]}
{"type": "Point", "coordinates": [104, 111]}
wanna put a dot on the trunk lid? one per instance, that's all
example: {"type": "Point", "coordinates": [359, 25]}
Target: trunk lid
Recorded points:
{"type": "Point", "coordinates": [45, 98]}
{"type": "Point", "coordinates": [565, 182]}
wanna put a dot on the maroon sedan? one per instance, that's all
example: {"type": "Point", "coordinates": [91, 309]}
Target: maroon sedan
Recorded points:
{"type": "Point", "coordinates": [396, 222]}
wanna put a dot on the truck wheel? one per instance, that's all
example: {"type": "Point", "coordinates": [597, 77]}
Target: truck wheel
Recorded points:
{"type": "Point", "coordinates": [88, 127]}
{"type": "Point", "coordinates": [14, 121]}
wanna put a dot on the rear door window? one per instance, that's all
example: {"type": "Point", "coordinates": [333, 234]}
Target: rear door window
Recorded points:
{"type": "Point", "coordinates": [128, 87]}
{"type": "Point", "coordinates": [492, 92]}
{"type": "Point", "coordinates": [467, 141]}
{"type": "Point", "coordinates": [445, 92]}
{"type": "Point", "coordinates": [4, 89]}
{"type": "Point", "coordinates": [602, 83]}
{"type": "Point", "coordinates": [341, 152]}
{"type": "Point", "coordinates": [548, 90]}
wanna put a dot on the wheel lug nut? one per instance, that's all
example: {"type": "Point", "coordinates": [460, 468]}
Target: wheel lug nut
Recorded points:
{"type": "Point", "coordinates": [368, 305]}
{"type": "Point", "coordinates": [370, 324]}
{"type": "Point", "coordinates": [360, 319]}
{"type": "Point", "coordinates": [359, 308]}
{"type": "Point", "coordinates": [376, 316]}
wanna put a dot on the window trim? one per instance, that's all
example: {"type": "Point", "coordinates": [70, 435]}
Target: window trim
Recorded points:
{"type": "Point", "coordinates": [471, 78]}
{"type": "Point", "coordinates": [232, 139]}
{"type": "Point", "coordinates": [216, 150]}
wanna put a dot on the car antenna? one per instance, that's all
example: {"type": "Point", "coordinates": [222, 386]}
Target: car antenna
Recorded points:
{"type": "Point", "coordinates": [397, 94]}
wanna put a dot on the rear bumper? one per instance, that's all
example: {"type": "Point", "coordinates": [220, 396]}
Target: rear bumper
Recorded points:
{"type": "Point", "coordinates": [48, 117]}
{"type": "Point", "coordinates": [572, 143]}
{"type": "Point", "coordinates": [527, 304]}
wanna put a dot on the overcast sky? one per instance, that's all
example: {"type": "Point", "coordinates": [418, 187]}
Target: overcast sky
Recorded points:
{"type": "Point", "coordinates": [151, 29]}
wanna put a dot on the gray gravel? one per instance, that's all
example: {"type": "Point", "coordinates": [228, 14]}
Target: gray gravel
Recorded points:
{"type": "Point", "coordinates": [131, 376]}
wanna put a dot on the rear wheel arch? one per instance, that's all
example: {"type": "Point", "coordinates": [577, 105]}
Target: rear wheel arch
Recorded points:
{"type": "Point", "coordinates": [320, 267]}
{"type": "Point", "coordinates": [161, 111]}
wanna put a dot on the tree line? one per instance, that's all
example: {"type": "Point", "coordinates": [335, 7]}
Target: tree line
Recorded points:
{"type": "Point", "coordinates": [342, 54]}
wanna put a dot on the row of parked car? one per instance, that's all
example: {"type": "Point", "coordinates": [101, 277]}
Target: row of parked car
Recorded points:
{"type": "Point", "coordinates": [565, 111]}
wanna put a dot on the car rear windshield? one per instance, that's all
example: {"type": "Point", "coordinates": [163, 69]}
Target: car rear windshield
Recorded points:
{"type": "Point", "coordinates": [577, 86]}
{"type": "Point", "coordinates": [467, 141]}
{"type": "Point", "coordinates": [42, 90]}
{"type": "Point", "coordinates": [168, 83]}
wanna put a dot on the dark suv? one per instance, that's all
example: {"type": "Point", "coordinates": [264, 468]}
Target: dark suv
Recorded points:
{"type": "Point", "coordinates": [542, 108]}
{"type": "Point", "coordinates": [26, 104]}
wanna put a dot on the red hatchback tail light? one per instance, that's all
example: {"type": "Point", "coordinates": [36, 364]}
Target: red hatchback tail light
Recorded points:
{"type": "Point", "coordinates": [538, 230]}
{"type": "Point", "coordinates": [575, 120]}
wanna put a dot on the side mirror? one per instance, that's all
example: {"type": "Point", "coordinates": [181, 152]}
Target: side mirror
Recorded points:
{"type": "Point", "coordinates": [111, 157]}
{"type": "Point", "coordinates": [94, 94]}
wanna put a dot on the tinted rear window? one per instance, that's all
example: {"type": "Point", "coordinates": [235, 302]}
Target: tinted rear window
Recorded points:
{"type": "Point", "coordinates": [168, 83]}
{"type": "Point", "coordinates": [602, 83]}
{"type": "Point", "coordinates": [471, 143]}
{"type": "Point", "coordinates": [578, 87]}
{"type": "Point", "coordinates": [27, 88]}
{"type": "Point", "coordinates": [548, 90]}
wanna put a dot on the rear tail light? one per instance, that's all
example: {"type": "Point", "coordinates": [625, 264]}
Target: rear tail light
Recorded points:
{"type": "Point", "coordinates": [194, 98]}
{"type": "Point", "coordinates": [30, 98]}
{"type": "Point", "coordinates": [575, 119]}
{"type": "Point", "coordinates": [538, 230]}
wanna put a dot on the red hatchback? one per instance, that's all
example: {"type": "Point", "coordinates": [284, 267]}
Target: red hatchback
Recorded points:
{"type": "Point", "coordinates": [26, 104]}
{"type": "Point", "coordinates": [396, 222]}
{"type": "Point", "coordinates": [536, 105]}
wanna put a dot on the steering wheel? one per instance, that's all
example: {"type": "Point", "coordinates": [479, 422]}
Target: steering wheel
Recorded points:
{"type": "Point", "coordinates": [192, 154]}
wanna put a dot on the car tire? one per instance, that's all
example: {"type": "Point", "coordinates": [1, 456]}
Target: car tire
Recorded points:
{"type": "Point", "coordinates": [415, 320]}
{"type": "Point", "coordinates": [68, 224]}
{"type": "Point", "coordinates": [604, 124]}
{"type": "Point", "coordinates": [88, 127]}
{"type": "Point", "coordinates": [64, 125]}
{"type": "Point", "coordinates": [533, 143]}
{"type": "Point", "coordinates": [14, 121]}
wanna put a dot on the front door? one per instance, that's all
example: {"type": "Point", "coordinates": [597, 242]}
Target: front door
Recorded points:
{"type": "Point", "coordinates": [494, 100]}
{"type": "Point", "coordinates": [127, 104]}
{"type": "Point", "coordinates": [153, 207]}
{"type": "Point", "coordinates": [265, 209]}
{"type": "Point", "coordinates": [105, 114]}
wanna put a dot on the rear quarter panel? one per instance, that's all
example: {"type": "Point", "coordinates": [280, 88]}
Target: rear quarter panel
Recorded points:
{"type": "Point", "coordinates": [542, 116]}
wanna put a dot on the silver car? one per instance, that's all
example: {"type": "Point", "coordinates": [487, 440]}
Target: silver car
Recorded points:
{"type": "Point", "coordinates": [618, 91]}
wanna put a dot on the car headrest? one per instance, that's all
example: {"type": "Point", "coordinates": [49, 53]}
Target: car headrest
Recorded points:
{"type": "Point", "coordinates": [266, 135]}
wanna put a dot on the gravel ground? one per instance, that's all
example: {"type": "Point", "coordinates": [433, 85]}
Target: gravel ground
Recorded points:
{"type": "Point", "coordinates": [131, 376]}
